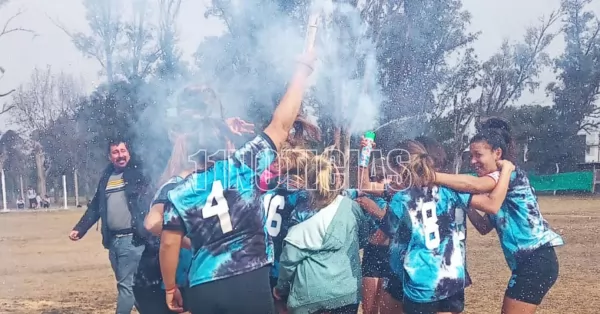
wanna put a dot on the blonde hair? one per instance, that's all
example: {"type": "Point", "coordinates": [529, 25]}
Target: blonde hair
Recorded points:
{"type": "Point", "coordinates": [413, 164]}
{"type": "Point", "coordinates": [296, 160]}
{"type": "Point", "coordinates": [320, 183]}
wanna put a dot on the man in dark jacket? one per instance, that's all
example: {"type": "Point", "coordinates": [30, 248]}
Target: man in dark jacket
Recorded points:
{"type": "Point", "coordinates": [119, 204]}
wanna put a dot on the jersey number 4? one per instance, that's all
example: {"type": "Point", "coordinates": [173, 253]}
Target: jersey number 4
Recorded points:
{"type": "Point", "coordinates": [219, 209]}
{"type": "Point", "coordinates": [272, 204]}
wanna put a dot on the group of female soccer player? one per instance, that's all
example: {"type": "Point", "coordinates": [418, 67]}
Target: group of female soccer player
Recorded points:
{"type": "Point", "coordinates": [265, 228]}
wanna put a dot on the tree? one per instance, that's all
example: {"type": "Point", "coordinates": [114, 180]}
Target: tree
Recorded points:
{"type": "Point", "coordinates": [37, 106]}
{"type": "Point", "coordinates": [578, 70]}
{"type": "Point", "coordinates": [12, 158]}
{"type": "Point", "coordinates": [106, 25]}
{"type": "Point", "coordinates": [170, 65]}
{"type": "Point", "coordinates": [141, 49]}
{"type": "Point", "coordinates": [7, 29]}
{"type": "Point", "coordinates": [499, 81]}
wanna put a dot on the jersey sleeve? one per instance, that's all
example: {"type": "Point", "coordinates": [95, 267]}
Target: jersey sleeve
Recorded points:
{"type": "Point", "coordinates": [257, 154]}
{"type": "Point", "coordinates": [391, 221]}
{"type": "Point", "coordinates": [172, 219]}
{"type": "Point", "coordinates": [182, 199]}
{"type": "Point", "coordinates": [494, 175]}
{"type": "Point", "coordinates": [161, 196]}
{"type": "Point", "coordinates": [350, 193]}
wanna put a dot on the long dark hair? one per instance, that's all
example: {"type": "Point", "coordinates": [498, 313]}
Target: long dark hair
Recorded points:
{"type": "Point", "coordinates": [413, 164]}
{"type": "Point", "coordinates": [496, 132]}
{"type": "Point", "coordinates": [197, 145]}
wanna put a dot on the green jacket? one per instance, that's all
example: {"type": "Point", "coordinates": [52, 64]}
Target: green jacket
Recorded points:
{"type": "Point", "coordinates": [320, 263]}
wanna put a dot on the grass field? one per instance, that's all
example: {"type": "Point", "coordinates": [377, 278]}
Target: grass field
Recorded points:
{"type": "Point", "coordinates": [41, 271]}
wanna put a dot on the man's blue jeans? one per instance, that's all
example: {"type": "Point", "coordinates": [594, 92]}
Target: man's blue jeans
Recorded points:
{"type": "Point", "coordinates": [124, 259]}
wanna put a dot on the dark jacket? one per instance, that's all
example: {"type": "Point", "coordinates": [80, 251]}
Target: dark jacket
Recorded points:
{"type": "Point", "coordinates": [136, 192]}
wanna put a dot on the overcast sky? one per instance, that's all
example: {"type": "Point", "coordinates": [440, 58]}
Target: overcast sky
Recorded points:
{"type": "Point", "coordinates": [20, 53]}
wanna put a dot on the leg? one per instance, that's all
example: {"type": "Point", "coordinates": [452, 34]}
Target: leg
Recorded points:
{"type": "Point", "coordinates": [510, 306]}
{"type": "Point", "coordinates": [375, 267]}
{"type": "Point", "coordinates": [128, 256]}
{"type": "Point", "coordinates": [280, 305]}
{"type": "Point", "coordinates": [391, 296]}
{"type": "Point", "coordinates": [533, 278]}
{"type": "Point", "coordinates": [371, 295]}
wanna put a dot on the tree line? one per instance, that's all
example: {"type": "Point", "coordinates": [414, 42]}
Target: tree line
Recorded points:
{"type": "Point", "coordinates": [432, 80]}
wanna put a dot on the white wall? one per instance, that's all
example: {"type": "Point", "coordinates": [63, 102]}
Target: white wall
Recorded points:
{"type": "Point", "coordinates": [592, 142]}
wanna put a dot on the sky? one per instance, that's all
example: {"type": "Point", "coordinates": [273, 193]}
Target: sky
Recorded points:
{"type": "Point", "coordinates": [20, 53]}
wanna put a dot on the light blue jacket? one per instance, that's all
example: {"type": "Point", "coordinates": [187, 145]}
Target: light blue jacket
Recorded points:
{"type": "Point", "coordinates": [320, 264]}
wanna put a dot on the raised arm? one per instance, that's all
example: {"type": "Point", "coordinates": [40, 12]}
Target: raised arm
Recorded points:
{"type": "Point", "coordinates": [289, 107]}
{"type": "Point", "coordinates": [465, 183]}
{"type": "Point", "coordinates": [492, 202]}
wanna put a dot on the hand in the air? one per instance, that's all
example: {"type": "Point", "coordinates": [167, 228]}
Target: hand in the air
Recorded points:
{"type": "Point", "coordinates": [239, 126]}
{"type": "Point", "coordinates": [364, 142]}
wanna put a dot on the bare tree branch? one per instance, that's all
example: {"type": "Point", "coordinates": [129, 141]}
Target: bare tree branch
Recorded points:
{"type": "Point", "coordinates": [7, 29]}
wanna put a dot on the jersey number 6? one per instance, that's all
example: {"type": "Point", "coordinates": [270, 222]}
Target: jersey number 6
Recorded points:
{"type": "Point", "coordinates": [220, 209]}
{"type": "Point", "coordinates": [274, 220]}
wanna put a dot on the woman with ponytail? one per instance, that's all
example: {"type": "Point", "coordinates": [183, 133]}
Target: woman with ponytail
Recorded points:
{"type": "Point", "coordinates": [195, 107]}
{"type": "Point", "coordinates": [525, 236]}
{"type": "Point", "coordinates": [319, 268]}
{"type": "Point", "coordinates": [426, 251]}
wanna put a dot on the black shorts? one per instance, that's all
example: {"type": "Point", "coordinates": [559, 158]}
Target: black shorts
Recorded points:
{"type": "Point", "coordinates": [152, 300]}
{"type": "Point", "coordinates": [348, 309]}
{"type": "Point", "coordinates": [393, 286]}
{"type": "Point", "coordinates": [455, 304]}
{"type": "Point", "coordinates": [536, 273]}
{"type": "Point", "coordinates": [248, 293]}
{"type": "Point", "coordinates": [376, 261]}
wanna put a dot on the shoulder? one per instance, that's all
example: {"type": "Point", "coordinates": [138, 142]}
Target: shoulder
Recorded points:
{"type": "Point", "coordinates": [494, 175]}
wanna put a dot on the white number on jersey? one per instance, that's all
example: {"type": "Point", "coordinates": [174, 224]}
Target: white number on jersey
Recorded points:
{"type": "Point", "coordinates": [461, 223]}
{"type": "Point", "coordinates": [272, 204]}
{"type": "Point", "coordinates": [430, 226]}
{"type": "Point", "coordinates": [220, 209]}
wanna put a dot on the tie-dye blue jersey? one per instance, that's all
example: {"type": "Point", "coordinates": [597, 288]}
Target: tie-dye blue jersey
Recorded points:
{"type": "Point", "coordinates": [426, 249]}
{"type": "Point", "coordinates": [279, 204]}
{"type": "Point", "coordinates": [148, 272]}
{"type": "Point", "coordinates": [220, 211]}
{"type": "Point", "coordinates": [519, 223]}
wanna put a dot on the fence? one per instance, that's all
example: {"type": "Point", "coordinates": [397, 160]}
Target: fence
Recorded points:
{"type": "Point", "coordinates": [568, 181]}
